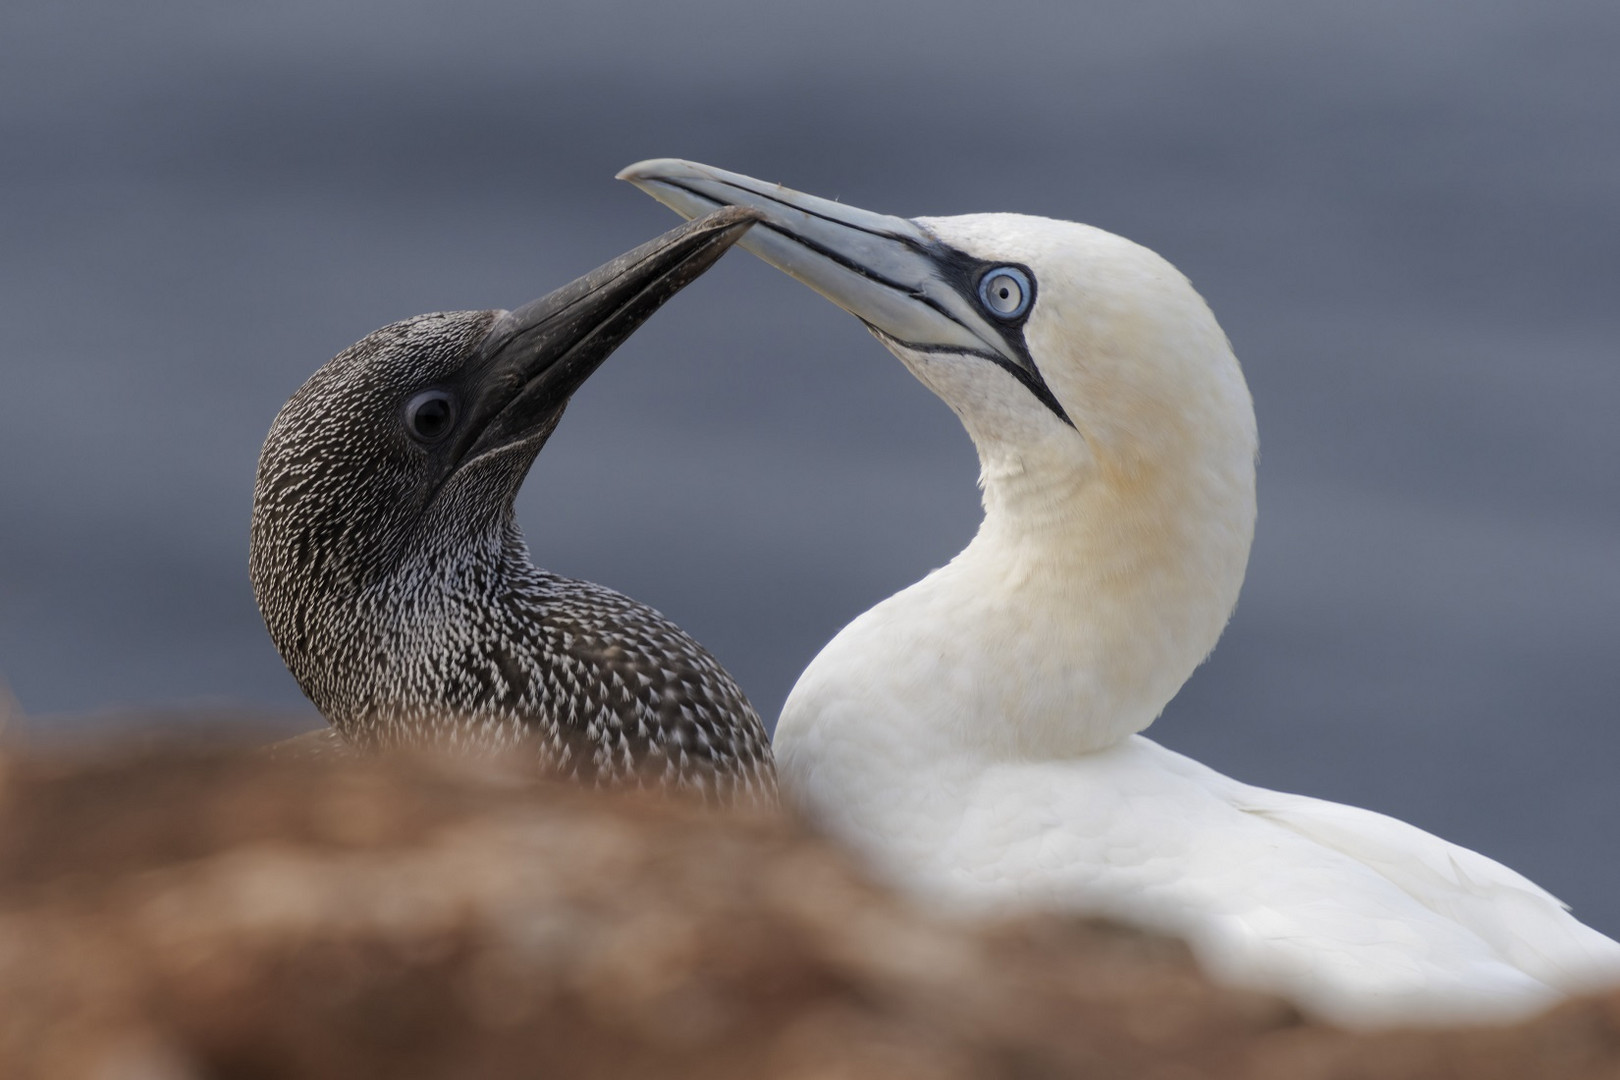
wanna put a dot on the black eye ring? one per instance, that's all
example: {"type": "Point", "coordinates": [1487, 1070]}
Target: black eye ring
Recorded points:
{"type": "Point", "coordinates": [430, 415]}
{"type": "Point", "coordinates": [1005, 292]}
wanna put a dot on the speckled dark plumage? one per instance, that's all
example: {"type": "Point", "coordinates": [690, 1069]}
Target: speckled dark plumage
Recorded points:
{"type": "Point", "coordinates": [399, 590]}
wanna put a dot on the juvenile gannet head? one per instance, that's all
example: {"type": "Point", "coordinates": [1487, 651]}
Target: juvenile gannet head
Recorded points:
{"type": "Point", "coordinates": [1115, 432]}
{"type": "Point", "coordinates": [394, 468]}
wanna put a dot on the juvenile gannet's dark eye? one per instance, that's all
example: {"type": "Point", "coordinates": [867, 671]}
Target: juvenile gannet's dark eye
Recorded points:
{"type": "Point", "coordinates": [1005, 291]}
{"type": "Point", "coordinates": [430, 415]}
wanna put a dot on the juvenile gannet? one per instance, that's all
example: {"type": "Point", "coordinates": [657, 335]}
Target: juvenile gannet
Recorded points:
{"type": "Point", "coordinates": [390, 571]}
{"type": "Point", "coordinates": [975, 734]}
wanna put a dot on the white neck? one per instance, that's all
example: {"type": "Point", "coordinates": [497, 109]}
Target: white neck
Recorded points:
{"type": "Point", "coordinates": [1090, 595]}
{"type": "Point", "coordinates": [1112, 549]}
{"type": "Point", "coordinates": [1101, 576]}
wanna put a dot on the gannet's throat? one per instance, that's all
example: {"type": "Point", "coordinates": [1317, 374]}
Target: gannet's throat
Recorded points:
{"type": "Point", "coordinates": [1098, 579]}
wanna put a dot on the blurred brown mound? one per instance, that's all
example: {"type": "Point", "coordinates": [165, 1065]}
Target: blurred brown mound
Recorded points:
{"type": "Point", "coordinates": [201, 914]}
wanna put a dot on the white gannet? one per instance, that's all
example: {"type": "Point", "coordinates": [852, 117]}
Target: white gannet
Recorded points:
{"type": "Point", "coordinates": [394, 580]}
{"type": "Point", "coordinates": [976, 734]}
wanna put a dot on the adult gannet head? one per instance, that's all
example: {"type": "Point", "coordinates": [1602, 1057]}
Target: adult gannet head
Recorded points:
{"type": "Point", "coordinates": [1114, 429]}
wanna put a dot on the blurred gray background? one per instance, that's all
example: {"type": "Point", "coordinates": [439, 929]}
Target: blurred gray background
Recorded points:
{"type": "Point", "coordinates": [1407, 217]}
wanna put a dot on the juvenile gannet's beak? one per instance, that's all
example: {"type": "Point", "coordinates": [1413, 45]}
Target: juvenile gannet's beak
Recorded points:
{"type": "Point", "coordinates": [890, 273]}
{"type": "Point", "coordinates": [534, 358]}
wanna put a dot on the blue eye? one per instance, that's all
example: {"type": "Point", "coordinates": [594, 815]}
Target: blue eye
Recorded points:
{"type": "Point", "coordinates": [1005, 292]}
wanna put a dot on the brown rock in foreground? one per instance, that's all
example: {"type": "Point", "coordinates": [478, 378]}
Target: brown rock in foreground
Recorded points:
{"type": "Point", "coordinates": [210, 914]}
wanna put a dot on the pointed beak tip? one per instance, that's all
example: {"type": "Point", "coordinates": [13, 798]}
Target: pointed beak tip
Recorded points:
{"type": "Point", "coordinates": [651, 170]}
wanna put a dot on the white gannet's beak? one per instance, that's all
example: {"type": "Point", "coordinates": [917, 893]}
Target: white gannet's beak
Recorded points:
{"type": "Point", "coordinates": [891, 273]}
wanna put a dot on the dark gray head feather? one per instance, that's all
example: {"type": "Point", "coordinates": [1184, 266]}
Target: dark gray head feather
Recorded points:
{"type": "Point", "coordinates": [395, 582]}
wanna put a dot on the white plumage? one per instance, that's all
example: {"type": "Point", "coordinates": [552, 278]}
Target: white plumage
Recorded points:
{"type": "Point", "coordinates": [976, 734]}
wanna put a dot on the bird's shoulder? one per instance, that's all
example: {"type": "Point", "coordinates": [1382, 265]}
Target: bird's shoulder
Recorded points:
{"type": "Point", "coordinates": [1522, 922]}
{"type": "Point", "coordinates": [1121, 834]}
{"type": "Point", "coordinates": [628, 642]}
{"type": "Point", "coordinates": [636, 686]}
{"type": "Point", "coordinates": [1374, 897]}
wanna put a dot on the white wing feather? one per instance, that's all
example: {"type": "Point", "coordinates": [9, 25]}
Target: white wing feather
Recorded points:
{"type": "Point", "coordinates": [1362, 918]}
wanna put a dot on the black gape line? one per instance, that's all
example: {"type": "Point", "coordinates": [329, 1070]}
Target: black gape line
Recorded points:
{"type": "Point", "coordinates": [969, 276]}
{"type": "Point", "coordinates": [391, 573]}
{"type": "Point", "coordinates": [960, 271]}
